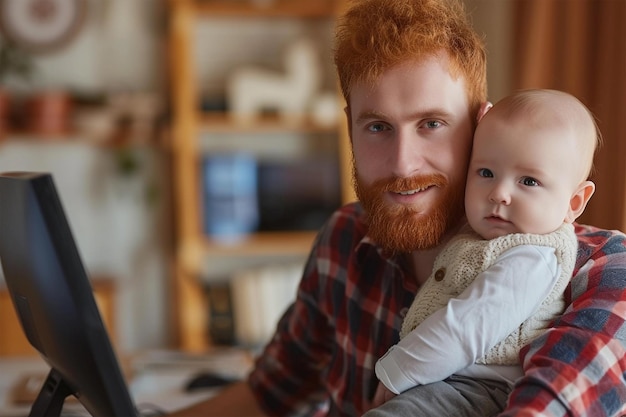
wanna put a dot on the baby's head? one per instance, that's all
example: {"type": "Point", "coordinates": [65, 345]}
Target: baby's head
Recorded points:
{"type": "Point", "coordinates": [531, 159]}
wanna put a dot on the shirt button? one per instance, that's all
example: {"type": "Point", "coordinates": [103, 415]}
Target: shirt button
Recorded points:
{"type": "Point", "coordinates": [441, 272]}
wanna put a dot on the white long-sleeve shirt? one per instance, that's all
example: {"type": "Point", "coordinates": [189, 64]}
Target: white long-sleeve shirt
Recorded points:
{"type": "Point", "coordinates": [451, 339]}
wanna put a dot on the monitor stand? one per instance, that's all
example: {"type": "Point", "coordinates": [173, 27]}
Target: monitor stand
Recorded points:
{"type": "Point", "coordinates": [50, 399]}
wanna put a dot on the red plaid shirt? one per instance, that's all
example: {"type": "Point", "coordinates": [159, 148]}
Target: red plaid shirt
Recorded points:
{"type": "Point", "coordinates": [350, 307]}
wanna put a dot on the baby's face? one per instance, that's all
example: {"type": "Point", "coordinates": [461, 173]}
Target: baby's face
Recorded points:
{"type": "Point", "coordinates": [521, 177]}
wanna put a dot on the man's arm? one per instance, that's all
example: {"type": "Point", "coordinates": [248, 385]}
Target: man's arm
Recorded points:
{"type": "Point", "coordinates": [577, 368]}
{"type": "Point", "coordinates": [236, 400]}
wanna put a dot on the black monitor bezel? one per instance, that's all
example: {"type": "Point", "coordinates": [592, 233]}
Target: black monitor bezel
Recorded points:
{"type": "Point", "coordinates": [58, 314]}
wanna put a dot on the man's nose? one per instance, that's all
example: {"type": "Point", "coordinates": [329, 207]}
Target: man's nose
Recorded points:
{"type": "Point", "coordinates": [407, 156]}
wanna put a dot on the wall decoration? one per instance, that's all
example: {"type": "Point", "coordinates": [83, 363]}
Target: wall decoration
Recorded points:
{"type": "Point", "coordinates": [41, 25]}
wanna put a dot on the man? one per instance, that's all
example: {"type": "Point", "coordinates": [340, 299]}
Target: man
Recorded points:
{"type": "Point", "coordinates": [414, 78]}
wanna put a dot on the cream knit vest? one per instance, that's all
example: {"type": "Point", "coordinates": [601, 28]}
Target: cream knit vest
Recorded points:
{"type": "Point", "coordinates": [465, 256]}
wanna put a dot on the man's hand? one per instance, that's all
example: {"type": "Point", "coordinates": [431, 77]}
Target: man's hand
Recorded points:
{"type": "Point", "coordinates": [382, 395]}
{"type": "Point", "coordinates": [235, 400]}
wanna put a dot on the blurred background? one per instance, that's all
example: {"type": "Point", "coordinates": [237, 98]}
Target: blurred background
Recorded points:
{"type": "Point", "coordinates": [198, 145]}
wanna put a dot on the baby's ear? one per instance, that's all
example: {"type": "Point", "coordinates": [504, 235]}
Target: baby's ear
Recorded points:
{"type": "Point", "coordinates": [579, 200]}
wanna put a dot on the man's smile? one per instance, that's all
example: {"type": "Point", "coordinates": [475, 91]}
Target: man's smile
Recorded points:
{"type": "Point", "coordinates": [411, 192]}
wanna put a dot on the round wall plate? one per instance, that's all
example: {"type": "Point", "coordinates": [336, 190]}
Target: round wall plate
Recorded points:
{"type": "Point", "coordinates": [41, 25]}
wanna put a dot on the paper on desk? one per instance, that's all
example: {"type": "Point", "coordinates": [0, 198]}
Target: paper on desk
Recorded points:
{"type": "Point", "coordinates": [160, 376]}
{"type": "Point", "coordinates": [232, 362]}
{"type": "Point", "coordinates": [169, 400]}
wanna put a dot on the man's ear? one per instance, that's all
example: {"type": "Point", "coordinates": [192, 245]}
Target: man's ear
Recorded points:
{"type": "Point", "coordinates": [579, 200]}
{"type": "Point", "coordinates": [349, 121]}
{"type": "Point", "coordinates": [484, 108]}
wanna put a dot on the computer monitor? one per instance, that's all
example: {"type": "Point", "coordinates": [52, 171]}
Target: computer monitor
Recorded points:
{"type": "Point", "coordinates": [54, 300]}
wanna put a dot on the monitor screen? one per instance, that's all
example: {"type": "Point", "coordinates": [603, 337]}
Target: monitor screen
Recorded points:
{"type": "Point", "coordinates": [54, 301]}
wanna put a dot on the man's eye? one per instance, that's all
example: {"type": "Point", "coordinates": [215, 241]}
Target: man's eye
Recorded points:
{"type": "Point", "coordinates": [376, 127]}
{"type": "Point", "coordinates": [432, 124]}
{"type": "Point", "coordinates": [530, 182]}
{"type": "Point", "coordinates": [484, 172]}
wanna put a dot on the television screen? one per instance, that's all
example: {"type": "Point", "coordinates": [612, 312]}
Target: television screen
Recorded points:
{"type": "Point", "coordinates": [54, 301]}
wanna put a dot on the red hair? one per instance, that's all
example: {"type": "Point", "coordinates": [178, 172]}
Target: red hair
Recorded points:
{"type": "Point", "coordinates": [376, 35]}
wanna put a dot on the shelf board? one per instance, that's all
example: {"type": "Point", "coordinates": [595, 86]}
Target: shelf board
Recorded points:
{"type": "Point", "coordinates": [71, 136]}
{"type": "Point", "coordinates": [220, 122]}
{"type": "Point", "coordinates": [38, 137]}
{"type": "Point", "coordinates": [196, 250]}
{"type": "Point", "coordinates": [263, 243]}
{"type": "Point", "coordinates": [275, 8]}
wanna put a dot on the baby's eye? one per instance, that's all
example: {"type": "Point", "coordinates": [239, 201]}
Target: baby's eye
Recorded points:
{"type": "Point", "coordinates": [530, 182]}
{"type": "Point", "coordinates": [484, 172]}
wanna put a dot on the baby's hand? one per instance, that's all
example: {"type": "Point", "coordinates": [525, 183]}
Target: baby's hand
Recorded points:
{"type": "Point", "coordinates": [382, 395]}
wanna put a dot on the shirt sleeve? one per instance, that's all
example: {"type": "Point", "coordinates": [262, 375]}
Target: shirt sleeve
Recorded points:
{"type": "Point", "coordinates": [577, 368]}
{"type": "Point", "coordinates": [454, 337]}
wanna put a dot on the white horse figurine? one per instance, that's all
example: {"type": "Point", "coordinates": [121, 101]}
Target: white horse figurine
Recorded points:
{"type": "Point", "coordinates": [251, 90]}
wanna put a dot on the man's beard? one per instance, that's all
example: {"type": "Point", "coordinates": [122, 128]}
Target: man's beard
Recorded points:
{"type": "Point", "coordinates": [403, 229]}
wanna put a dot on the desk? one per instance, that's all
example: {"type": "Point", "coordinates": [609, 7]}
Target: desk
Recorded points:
{"type": "Point", "coordinates": [156, 379]}
{"type": "Point", "coordinates": [11, 371]}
